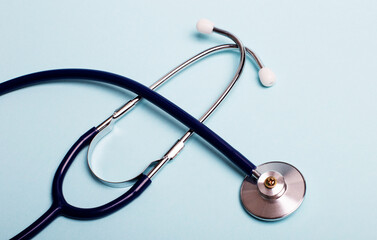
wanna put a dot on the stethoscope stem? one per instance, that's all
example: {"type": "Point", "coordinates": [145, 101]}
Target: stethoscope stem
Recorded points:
{"type": "Point", "coordinates": [256, 174]}
{"type": "Point", "coordinates": [38, 225]}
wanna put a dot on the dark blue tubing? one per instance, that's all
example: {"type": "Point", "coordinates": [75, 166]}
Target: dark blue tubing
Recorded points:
{"type": "Point", "coordinates": [59, 205]}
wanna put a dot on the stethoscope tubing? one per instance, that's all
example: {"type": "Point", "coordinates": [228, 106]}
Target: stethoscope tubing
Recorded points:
{"type": "Point", "coordinates": [60, 206]}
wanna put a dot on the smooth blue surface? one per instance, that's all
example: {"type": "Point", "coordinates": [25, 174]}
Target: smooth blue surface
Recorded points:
{"type": "Point", "coordinates": [321, 115]}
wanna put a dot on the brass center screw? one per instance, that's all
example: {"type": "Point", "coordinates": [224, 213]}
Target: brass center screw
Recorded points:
{"type": "Point", "coordinates": [270, 182]}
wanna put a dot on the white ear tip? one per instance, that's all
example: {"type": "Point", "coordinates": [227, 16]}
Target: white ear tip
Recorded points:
{"type": "Point", "coordinates": [205, 26]}
{"type": "Point", "coordinates": [266, 77]}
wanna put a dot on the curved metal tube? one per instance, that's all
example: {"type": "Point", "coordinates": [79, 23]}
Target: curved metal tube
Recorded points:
{"type": "Point", "coordinates": [236, 75]}
{"type": "Point", "coordinates": [106, 126]}
{"type": "Point", "coordinates": [199, 56]}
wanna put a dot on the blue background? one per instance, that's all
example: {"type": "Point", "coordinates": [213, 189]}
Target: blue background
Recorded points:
{"type": "Point", "coordinates": [320, 116]}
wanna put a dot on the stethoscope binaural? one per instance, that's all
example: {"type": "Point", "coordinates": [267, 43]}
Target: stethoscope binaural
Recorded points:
{"type": "Point", "coordinates": [269, 192]}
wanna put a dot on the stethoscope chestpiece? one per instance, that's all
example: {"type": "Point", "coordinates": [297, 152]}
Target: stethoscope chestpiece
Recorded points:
{"type": "Point", "coordinates": [277, 193]}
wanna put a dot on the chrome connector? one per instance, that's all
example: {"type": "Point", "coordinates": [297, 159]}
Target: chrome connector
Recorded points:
{"type": "Point", "coordinates": [109, 122]}
{"type": "Point", "coordinates": [173, 151]}
{"type": "Point", "coordinates": [159, 164]}
{"type": "Point", "coordinates": [122, 110]}
{"type": "Point", "coordinates": [255, 174]}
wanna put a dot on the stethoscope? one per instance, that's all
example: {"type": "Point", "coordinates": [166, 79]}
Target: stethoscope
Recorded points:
{"type": "Point", "coordinates": [269, 192]}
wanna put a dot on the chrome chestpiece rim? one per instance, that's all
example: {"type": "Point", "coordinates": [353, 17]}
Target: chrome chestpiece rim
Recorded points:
{"type": "Point", "coordinates": [277, 193]}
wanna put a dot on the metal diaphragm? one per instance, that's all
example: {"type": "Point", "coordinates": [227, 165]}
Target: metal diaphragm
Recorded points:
{"type": "Point", "coordinates": [277, 193]}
